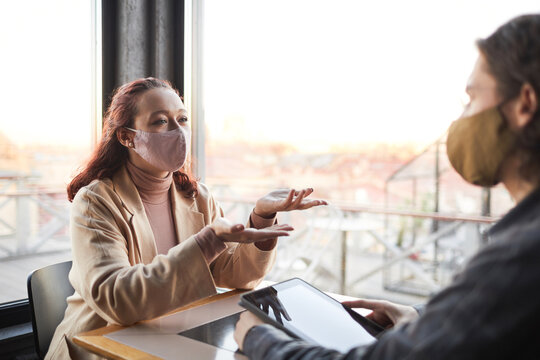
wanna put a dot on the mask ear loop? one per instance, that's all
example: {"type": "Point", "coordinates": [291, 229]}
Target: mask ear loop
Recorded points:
{"type": "Point", "coordinates": [523, 140]}
{"type": "Point", "coordinates": [501, 112]}
{"type": "Point", "coordinates": [519, 136]}
{"type": "Point", "coordinates": [529, 143]}
{"type": "Point", "coordinates": [130, 143]}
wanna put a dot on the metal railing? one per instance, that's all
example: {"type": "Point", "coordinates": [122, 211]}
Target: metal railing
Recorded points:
{"type": "Point", "coordinates": [325, 243]}
{"type": "Point", "coordinates": [420, 266]}
{"type": "Point", "coordinates": [31, 219]}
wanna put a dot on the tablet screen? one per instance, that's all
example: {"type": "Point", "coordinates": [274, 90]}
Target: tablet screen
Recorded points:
{"type": "Point", "coordinates": [310, 314]}
{"type": "Point", "coordinates": [218, 332]}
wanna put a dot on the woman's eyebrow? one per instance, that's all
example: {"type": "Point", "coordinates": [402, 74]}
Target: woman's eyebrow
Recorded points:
{"type": "Point", "coordinates": [159, 112]}
{"type": "Point", "coordinates": [179, 111]}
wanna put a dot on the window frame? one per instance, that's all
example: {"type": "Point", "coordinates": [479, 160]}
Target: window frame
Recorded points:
{"type": "Point", "coordinates": [194, 82]}
{"type": "Point", "coordinates": [17, 312]}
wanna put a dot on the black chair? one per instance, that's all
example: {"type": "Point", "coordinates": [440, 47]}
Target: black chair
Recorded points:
{"type": "Point", "coordinates": [48, 289]}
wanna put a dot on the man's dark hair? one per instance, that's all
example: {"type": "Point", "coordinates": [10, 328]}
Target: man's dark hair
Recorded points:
{"type": "Point", "coordinates": [513, 56]}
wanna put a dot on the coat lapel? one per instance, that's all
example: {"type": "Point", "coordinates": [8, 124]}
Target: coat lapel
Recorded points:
{"type": "Point", "coordinates": [142, 234]}
{"type": "Point", "coordinates": [187, 220]}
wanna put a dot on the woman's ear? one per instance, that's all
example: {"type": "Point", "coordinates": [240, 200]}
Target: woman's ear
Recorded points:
{"type": "Point", "coordinates": [526, 106]}
{"type": "Point", "coordinates": [125, 137]}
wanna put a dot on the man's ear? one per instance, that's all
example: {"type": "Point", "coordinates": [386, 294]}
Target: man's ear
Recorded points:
{"type": "Point", "coordinates": [125, 137]}
{"type": "Point", "coordinates": [526, 106]}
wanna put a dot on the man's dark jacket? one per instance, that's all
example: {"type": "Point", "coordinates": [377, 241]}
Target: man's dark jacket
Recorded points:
{"type": "Point", "coordinates": [490, 311]}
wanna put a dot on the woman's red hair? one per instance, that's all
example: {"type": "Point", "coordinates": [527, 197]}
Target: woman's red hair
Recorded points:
{"type": "Point", "coordinates": [110, 155]}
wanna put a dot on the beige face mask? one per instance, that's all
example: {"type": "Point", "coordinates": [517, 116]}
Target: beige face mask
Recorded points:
{"type": "Point", "coordinates": [477, 145]}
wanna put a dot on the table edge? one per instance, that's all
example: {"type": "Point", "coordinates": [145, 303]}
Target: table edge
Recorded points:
{"type": "Point", "coordinates": [97, 343]}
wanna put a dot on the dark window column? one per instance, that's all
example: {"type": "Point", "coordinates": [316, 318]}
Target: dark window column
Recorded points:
{"type": "Point", "coordinates": [142, 38]}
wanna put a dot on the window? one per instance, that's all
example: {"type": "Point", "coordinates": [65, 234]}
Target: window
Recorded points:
{"type": "Point", "coordinates": [46, 131]}
{"type": "Point", "coordinates": [352, 98]}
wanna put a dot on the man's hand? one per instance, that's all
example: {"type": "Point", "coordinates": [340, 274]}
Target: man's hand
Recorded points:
{"type": "Point", "coordinates": [385, 313]}
{"type": "Point", "coordinates": [247, 321]}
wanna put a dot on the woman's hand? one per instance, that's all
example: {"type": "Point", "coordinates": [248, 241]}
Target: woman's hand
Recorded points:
{"type": "Point", "coordinates": [385, 313]}
{"type": "Point", "coordinates": [247, 321]}
{"type": "Point", "coordinates": [229, 232]}
{"type": "Point", "coordinates": [285, 200]}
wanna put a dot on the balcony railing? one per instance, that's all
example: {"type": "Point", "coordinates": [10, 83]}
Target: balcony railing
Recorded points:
{"type": "Point", "coordinates": [348, 244]}
{"type": "Point", "coordinates": [32, 220]}
{"type": "Point", "coordinates": [342, 246]}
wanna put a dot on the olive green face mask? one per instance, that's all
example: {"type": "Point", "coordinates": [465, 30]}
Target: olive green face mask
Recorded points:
{"type": "Point", "coordinates": [477, 145]}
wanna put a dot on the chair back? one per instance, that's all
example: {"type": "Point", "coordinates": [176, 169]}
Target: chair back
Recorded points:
{"type": "Point", "coordinates": [48, 289]}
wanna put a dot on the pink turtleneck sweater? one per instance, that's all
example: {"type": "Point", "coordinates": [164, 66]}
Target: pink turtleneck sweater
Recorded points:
{"type": "Point", "coordinates": [156, 199]}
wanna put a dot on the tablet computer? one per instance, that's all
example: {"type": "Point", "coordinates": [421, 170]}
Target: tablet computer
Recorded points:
{"type": "Point", "coordinates": [307, 313]}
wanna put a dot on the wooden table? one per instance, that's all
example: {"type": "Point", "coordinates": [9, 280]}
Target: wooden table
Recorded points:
{"type": "Point", "coordinates": [97, 343]}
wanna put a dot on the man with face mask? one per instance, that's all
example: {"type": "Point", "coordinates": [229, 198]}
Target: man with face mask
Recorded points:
{"type": "Point", "coordinates": [492, 308]}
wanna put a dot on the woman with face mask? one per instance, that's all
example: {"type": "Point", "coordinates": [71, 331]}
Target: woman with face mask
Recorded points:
{"type": "Point", "coordinates": [492, 308]}
{"type": "Point", "coordinates": [146, 237]}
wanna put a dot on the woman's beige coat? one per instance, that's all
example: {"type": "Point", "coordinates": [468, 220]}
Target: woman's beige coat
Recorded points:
{"type": "Point", "coordinates": [117, 274]}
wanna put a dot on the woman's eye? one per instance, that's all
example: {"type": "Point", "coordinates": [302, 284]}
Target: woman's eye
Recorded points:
{"type": "Point", "coordinates": [182, 120]}
{"type": "Point", "coordinates": [161, 121]}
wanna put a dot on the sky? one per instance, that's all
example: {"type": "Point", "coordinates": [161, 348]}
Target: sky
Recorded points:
{"type": "Point", "coordinates": [322, 74]}
{"type": "Point", "coordinates": [317, 74]}
{"type": "Point", "coordinates": [46, 77]}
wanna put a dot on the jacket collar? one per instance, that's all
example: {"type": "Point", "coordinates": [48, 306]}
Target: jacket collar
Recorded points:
{"type": "Point", "coordinates": [127, 191]}
{"type": "Point", "coordinates": [185, 212]}
{"type": "Point", "coordinates": [187, 220]}
{"type": "Point", "coordinates": [525, 211]}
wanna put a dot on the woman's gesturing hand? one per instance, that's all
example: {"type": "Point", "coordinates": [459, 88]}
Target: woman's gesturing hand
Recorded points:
{"type": "Point", "coordinates": [385, 313]}
{"type": "Point", "coordinates": [285, 200]}
{"type": "Point", "coordinates": [229, 232]}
